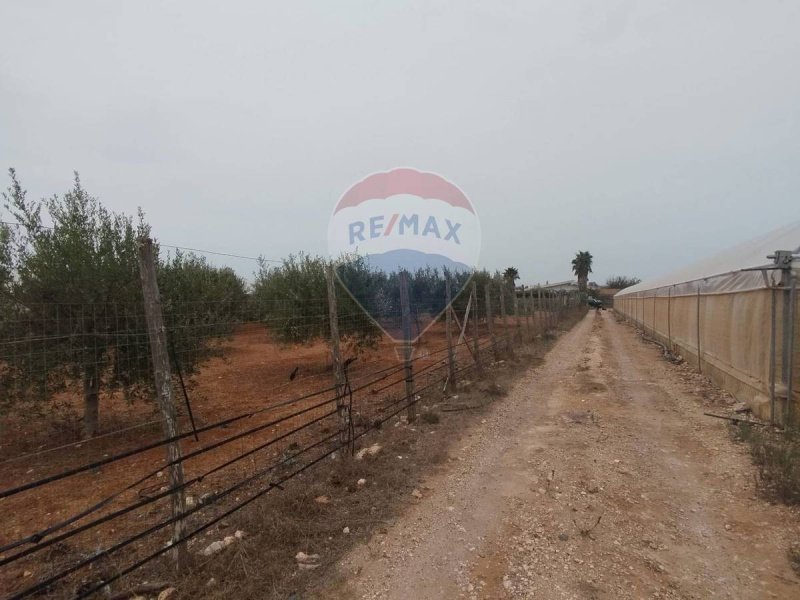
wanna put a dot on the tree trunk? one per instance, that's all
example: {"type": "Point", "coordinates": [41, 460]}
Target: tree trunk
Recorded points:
{"type": "Point", "coordinates": [91, 401]}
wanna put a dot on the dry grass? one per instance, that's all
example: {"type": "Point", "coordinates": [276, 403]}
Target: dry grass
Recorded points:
{"type": "Point", "coordinates": [495, 390]}
{"type": "Point", "coordinates": [311, 511]}
{"type": "Point", "coordinates": [794, 556]}
{"type": "Point", "coordinates": [777, 456]}
{"type": "Point", "coordinates": [430, 417]}
{"type": "Point", "coordinates": [294, 520]}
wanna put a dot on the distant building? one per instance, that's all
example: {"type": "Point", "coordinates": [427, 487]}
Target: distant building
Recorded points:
{"type": "Point", "coordinates": [562, 286]}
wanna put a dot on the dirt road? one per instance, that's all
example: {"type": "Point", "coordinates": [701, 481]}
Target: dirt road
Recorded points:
{"type": "Point", "coordinates": [598, 477]}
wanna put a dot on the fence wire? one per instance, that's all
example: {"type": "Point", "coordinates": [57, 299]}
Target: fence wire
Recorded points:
{"type": "Point", "coordinates": [260, 385]}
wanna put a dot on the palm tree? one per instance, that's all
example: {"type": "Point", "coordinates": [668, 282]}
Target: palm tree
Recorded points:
{"type": "Point", "coordinates": [511, 275]}
{"type": "Point", "coordinates": [582, 266]}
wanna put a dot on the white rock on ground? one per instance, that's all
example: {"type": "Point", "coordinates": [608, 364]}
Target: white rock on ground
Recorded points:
{"type": "Point", "coordinates": [307, 561]}
{"type": "Point", "coordinates": [168, 594]}
{"type": "Point", "coordinates": [368, 451]}
{"type": "Point", "coordinates": [220, 545]}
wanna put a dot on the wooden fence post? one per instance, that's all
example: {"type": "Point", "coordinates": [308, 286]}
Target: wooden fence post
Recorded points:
{"type": "Point", "coordinates": [517, 323]}
{"type": "Point", "coordinates": [539, 309]}
{"type": "Point", "coordinates": [156, 332]}
{"type": "Point", "coordinates": [547, 312]}
{"type": "Point", "coordinates": [336, 356]}
{"type": "Point", "coordinates": [490, 318]}
{"type": "Point", "coordinates": [556, 315]}
{"type": "Point", "coordinates": [451, 360]}
{"type": "Point", "coordinates": [405, 311]}
{"type": "Point", "coordinates": [475, 332]}
{"type": "Point", "coordinates": [528, 296]}
{"type": "Point", "coordinates": [504, 317]}
{"type": "Point", "coordinates": [557, 308]}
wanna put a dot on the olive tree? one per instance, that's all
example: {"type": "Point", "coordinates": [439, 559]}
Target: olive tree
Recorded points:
{"type": "Point", "coordinates": [61, 286]}
{"type": "Point", "coordinates": [71, 301]}
{"type": "Point", "coordinates": [291, 298]}
{"type": "Point", "coordinates": [201, 303]}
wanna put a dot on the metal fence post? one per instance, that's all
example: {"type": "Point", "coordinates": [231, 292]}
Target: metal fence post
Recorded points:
{"type": "Point", "coordinates": [669, 319]}
{"type": "Point", "coordinates": [772, 352]}
{"type": "Point", "coordinates": [790, 352]}
{"type": "Point", "coordinates": [655, 300]}
{"type": "Point", "coordinates": [699, 353]}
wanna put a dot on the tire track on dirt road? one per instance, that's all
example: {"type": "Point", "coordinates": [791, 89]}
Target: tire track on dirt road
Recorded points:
{"type": "Point", "coordinates": [598, 477]}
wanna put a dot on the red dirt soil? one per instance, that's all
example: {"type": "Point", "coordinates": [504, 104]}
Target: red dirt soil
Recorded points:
{"type": "Point", "coordinates": [252, 374]}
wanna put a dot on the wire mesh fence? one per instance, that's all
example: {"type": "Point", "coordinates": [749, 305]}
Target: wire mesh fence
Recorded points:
{"type": "Point", "coordinates": [267, 397]}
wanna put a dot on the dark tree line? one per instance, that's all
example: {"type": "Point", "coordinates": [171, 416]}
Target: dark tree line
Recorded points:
{"type": "Point", "coordinates": [292, 298]}
{"type": "Point", "coordinates": [71, 312]}
{"type": "Point", "coordinates": [621, 281]}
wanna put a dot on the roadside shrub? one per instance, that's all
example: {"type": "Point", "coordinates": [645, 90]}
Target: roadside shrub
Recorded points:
{"type": "Point", "coordinates": [777, 456]}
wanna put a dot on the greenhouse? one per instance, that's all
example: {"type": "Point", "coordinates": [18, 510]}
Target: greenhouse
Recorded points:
{"type": "Point", "coordinates": [735, 317]}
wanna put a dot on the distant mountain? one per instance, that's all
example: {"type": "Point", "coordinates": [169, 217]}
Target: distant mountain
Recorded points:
{"type": "Point", "coordinates": [411, 261]}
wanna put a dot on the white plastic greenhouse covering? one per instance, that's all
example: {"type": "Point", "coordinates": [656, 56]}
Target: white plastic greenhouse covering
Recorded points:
{"type": "Point", "coordinates": [725, 271]}
{"type": "Point", "coordinates": [719, 314]}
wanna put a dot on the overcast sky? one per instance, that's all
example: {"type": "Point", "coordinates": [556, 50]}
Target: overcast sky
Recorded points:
{"type": "Point", "coordinates": [650, 133]}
